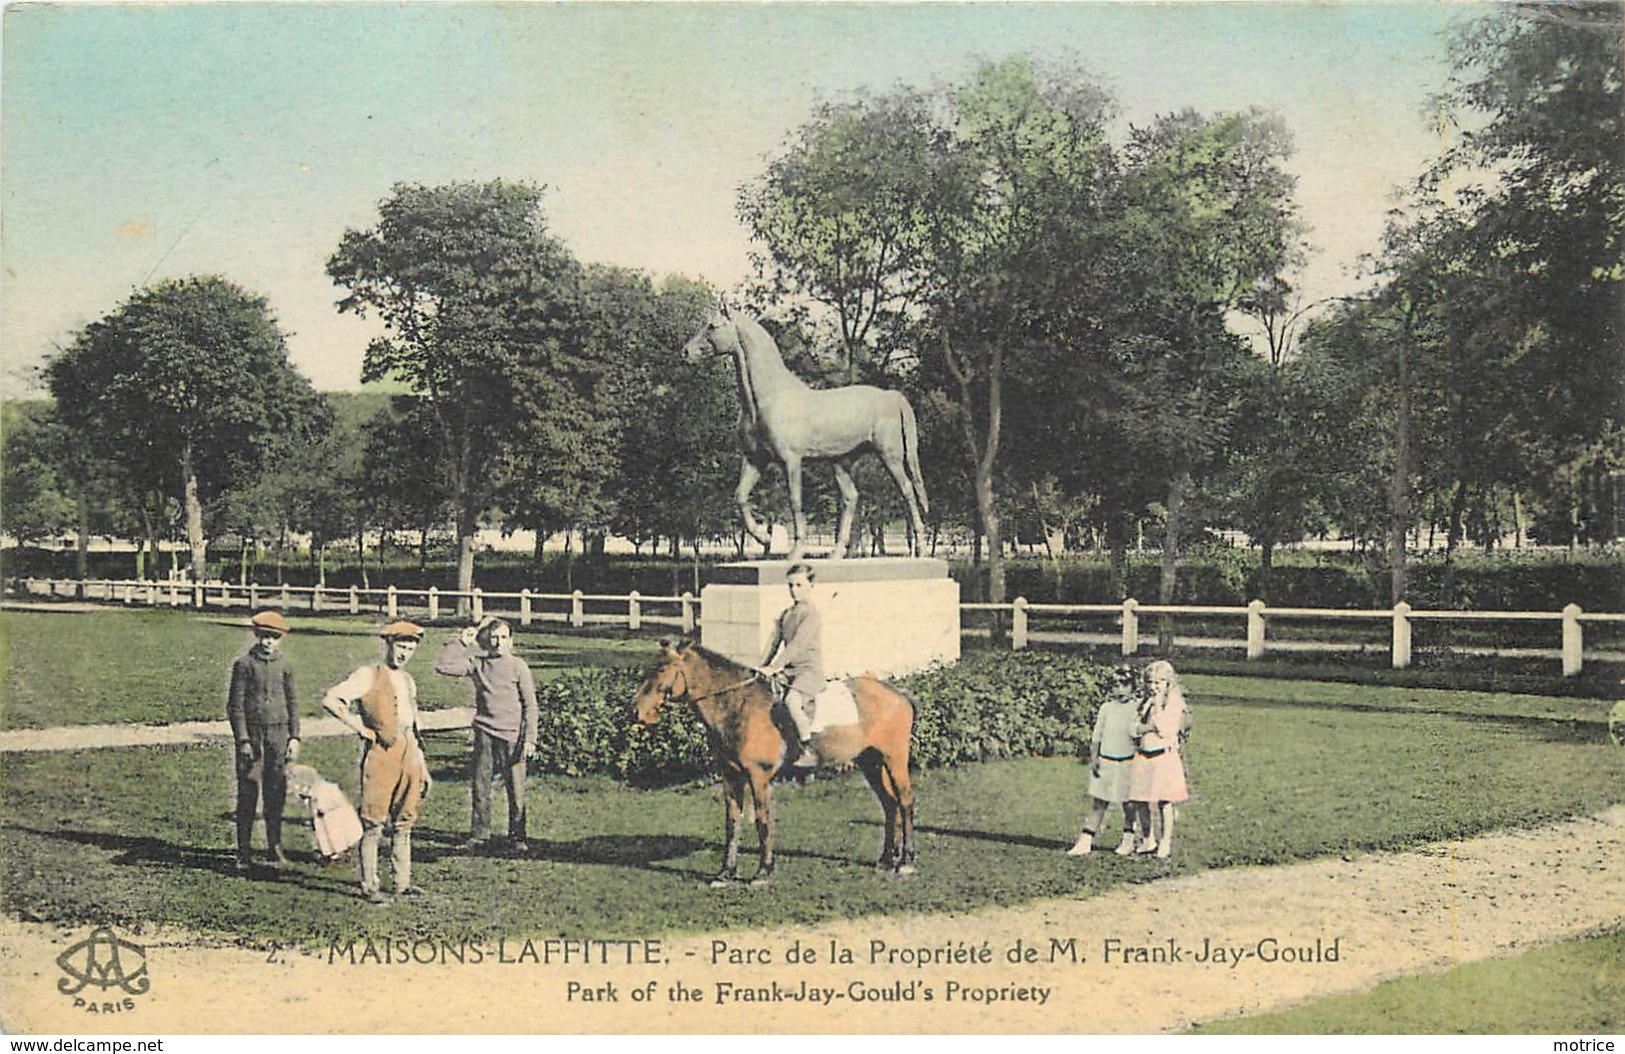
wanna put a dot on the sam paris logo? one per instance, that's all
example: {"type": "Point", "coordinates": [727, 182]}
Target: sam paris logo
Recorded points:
{"type": "Point", "coordinates": [104, 973]}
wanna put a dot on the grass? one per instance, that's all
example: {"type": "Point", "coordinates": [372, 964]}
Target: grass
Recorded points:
{"type": "Point", "coordinates": [1576, 989]}
{"type": "Point", "coordinates": [85, 838]}
{"type": "Point", "coordinates": [159, 667]}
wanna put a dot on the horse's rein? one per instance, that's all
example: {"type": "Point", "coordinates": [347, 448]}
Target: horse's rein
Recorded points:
{"type": "Point", "coordinates": [726, 689]}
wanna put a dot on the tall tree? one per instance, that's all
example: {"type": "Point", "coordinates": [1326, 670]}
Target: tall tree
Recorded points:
{"type": "Point", "coordinates": [843, 213]}
{"type": "Point", "coordinates": [36, 493]}
{"type": "Point", "coordinates": [480, 307]}
{"type": "Point", "coordinates": [184, 390]}
{"type": "Point", "coordinates": [1029, 170]}
{"type": "Point", "coordinates": [1536, 105]}
{"type": "Point", "coordinates": [1208, 218]}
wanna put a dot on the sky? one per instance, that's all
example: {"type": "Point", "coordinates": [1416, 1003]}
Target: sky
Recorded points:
{"type": "Point", "coordinates": [142, 142]}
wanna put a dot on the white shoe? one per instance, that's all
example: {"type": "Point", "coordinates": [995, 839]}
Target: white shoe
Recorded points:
{"type": "Point", "coordinates": [1084, 845]}
{"type": "Point", "coordinates": [1126, 846]}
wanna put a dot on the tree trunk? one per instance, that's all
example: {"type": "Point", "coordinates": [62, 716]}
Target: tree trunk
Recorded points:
{"type": "Point", "coordinates": [1172, 526]}
{"type": "Point", "coordinates": [242, 563]}
{"type": "Point", "coordinates": [81, 544]}
{"type": "Point", "coordinates": [1399, 487]}
{"type": "Point", "coordinates": [194, 520]}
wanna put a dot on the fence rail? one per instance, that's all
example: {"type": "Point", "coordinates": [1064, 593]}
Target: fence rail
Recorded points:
{"type": "Point", "coordinates": [635, 611]}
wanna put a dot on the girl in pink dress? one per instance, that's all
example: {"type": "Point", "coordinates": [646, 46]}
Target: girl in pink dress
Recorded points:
{"type": "Point", "coordinates": [1157, 775]}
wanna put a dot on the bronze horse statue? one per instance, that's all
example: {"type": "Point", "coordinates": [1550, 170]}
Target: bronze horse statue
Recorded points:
{"type": "Point", "coordinates": [752, 744]}
{"type": "Point", "coordinates": [782, 418]}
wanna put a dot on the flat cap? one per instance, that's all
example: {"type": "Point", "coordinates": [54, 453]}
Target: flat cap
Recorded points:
{"type": "Point", "coordinates": [402, 628]}
{"type": "Point", "coordinates": [270, 620]}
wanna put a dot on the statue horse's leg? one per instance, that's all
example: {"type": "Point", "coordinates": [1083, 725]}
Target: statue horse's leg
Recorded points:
{"type": "Point", "coordinates": [733, 793]}
{"type": "Point", "coordinates": [798, 518]}
{"type": "Point", "coordinates": [849, 507]}
{"type": "Point", "coordinates": [761, 790]}
{"type": "Point", "coordinates": [749, 474]}
{"type": "Point", "coordinates": [916, 519]}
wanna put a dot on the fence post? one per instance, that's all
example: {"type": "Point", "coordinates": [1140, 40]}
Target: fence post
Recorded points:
{"type": "Point", "coordinates": [479, 604]}
{"type": "Point", "coordinates": [634, 611]}
{"type": "Point", "coordinates": [355, 601]}
{"type": "Point", "coordinates": [316, 597]}
{"type": "Point", "coordinates": [285, 601]}
{"type": "Point", "coordinates": [174, 593]}
{"type": "Point", "coordinates": [524, 607]}
{"type": "Point", "coordinates": [1573, 641]}
{"type": "Point", "coordinates": [1255, 630]}
{"type": "Point", "coordinates": [1402, 636]}
{"type": "Point", "coordinates": [1131, 626]}
{"type": "Point", "coordinates": [197, 594]}
{"type": "Point", "coordinates": [434, 603]}
{"type": "Point", "coordinates": [392, 603]}
{"type": "Point", "coordinates": [1018, 624]}
{"type": "Point", "coordinates": [688, 612]}
{"type": "Point", "coordinates": [578, 618]}
{"type": "Point", "coordinates": [129, 594]}
{"type": "Point", "coordinates": [152, 594]}
{"type": "Point", "coordinates": [253, 596]}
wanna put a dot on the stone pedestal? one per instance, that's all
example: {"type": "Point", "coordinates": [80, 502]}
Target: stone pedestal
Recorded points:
{"type": "Point", "coordinates": [887, 615]}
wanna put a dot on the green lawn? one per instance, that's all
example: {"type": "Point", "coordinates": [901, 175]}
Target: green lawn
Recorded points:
{"type": "Point", "coordinates": [145, 834]}
{"type": "Point", "coordinates": [158, 667]}
{"type": "Point", "coordinates": [1571, 989]}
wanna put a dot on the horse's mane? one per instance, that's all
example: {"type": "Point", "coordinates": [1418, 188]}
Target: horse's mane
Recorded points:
{"type": "Point", "coordinates": [716, 658]}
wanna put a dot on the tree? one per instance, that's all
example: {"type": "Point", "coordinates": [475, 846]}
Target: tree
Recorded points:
{"type": "Point", "coordinates": [480, 307]}
{"type": "Point", "coordinates": [36, 497]}
{"type": "Point", "coordinates": [1208, 219]}
{"type": "Point", "coordinates": [843, 215]}
{"type": "Point", "coordinates": [1536, 231]}
{"type": "Point", "coordinates": [1011, 228]}
{"type": "Point", "coordinates": [183, 391]}
{"type": "Point", "coordinates": [677, 445]}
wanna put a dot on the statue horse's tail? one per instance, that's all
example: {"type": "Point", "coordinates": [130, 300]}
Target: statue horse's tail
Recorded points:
{"type": "Point", "coordinates": [911, 454]}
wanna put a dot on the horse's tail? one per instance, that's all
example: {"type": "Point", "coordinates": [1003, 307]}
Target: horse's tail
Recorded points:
{"type": "Point", "coordinates": [911, 454]}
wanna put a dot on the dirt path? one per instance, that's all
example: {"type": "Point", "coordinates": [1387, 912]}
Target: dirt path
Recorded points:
{"type": "Point", "coordinates": [1355, 922]}
{"type": "Point", "coordinates": [95, 737]}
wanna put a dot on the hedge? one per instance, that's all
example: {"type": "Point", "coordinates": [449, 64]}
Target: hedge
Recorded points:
{"type": "Point", "coordinates": [989, 705]}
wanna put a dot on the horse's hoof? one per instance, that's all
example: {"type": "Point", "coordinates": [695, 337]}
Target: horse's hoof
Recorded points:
{"type": "Point", "coordinates": [724, 882]}
{"type": "Point", "coordinates": [908, 871]}
{"type": "Point", "coordinates": [762, 880]}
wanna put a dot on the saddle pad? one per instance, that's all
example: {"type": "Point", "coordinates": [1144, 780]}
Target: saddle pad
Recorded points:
{"type": "Point", "coordinates": [834, 706]}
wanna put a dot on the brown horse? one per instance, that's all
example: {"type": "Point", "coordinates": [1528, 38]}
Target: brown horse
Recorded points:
{"type": "Point", "coordinates": [752, 744]}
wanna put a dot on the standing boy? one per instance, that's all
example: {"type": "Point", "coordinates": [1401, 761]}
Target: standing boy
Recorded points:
{"type": "Point", "coordinates": [505, 718]}
{"type": "Point", "coordinates": [264, 716]}
{"type": "Point", "coordinates": [380, 703]}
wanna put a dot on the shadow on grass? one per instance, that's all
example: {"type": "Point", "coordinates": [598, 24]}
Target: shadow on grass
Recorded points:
{"type": "Point", "coordinates": [137, 850]}
{"type": "Point", "coordinates": [998, 837]}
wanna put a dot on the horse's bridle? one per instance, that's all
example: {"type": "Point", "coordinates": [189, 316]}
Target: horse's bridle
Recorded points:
{"type": "Point", "coordinates": [754, 676]}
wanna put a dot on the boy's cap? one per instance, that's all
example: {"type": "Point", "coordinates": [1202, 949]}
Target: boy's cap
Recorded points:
{"type": "Point", "coordinates": [402, 629]}
{"type": "Point", "coordinates": [271, 621]}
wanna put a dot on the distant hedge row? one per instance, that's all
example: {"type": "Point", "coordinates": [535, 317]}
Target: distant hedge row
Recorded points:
{"type": "Point", "coordinates": [1534, 582]}
{"type": "Point", "coordinates": [989, 705]}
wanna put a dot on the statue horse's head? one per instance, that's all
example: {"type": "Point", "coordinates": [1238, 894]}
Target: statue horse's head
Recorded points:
{"type": "Point", "coordinates": [667, 680]}
{"type": "Point", "coordinates": [718, 336]}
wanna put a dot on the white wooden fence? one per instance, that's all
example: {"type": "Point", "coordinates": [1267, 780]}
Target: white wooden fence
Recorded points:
{"type": "Point", "coordinates": [577, 609]}
{"type": "Point", "coordinates": [635, 611]}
